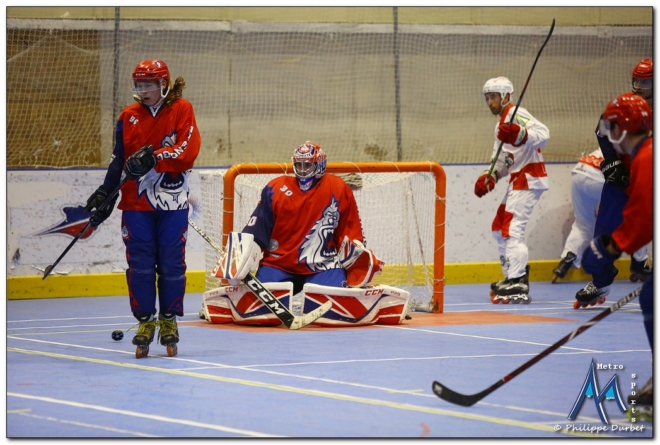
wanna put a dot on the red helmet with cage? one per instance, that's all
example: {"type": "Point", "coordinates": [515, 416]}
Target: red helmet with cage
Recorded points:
{"type": "Point", "coordinates": [644, 69]}
{"type": "Point", "coordinates": [642, 77]}
{"type": "Point", "coordinates": [308, 164]}
{"type": "Point", "coordinates": [152, 71]}
{"type": "Point", "coordinates": [630, 112]}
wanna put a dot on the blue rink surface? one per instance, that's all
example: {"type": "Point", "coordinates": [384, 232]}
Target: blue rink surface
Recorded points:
{"type": "Point", "coordinates": [67, 378]}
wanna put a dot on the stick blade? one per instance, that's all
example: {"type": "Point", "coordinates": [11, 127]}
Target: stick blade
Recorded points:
{"type": "Point", "coordinates": [47, 271]}
{"type": "Point", "coordinates": [304, 320]}
{"type": "Point", "coordinates": [451, 396]}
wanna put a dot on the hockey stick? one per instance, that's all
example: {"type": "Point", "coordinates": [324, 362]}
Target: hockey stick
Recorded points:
{"type": "Point", "coordinates": [105, 203]}
{"type": "Point", "coordinates": [447, 394]}
{"type": "Point", "coordinates": [266, 297]}
{"type": "Point", "coordinates": [515, 110]}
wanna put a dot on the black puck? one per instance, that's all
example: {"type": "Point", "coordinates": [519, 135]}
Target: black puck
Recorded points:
{"type": "Point", "coordinates": [117, 335]}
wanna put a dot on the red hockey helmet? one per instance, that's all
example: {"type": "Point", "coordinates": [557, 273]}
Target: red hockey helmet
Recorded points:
{"type": "Point", "coordinates": [151, 72]}
{"type": "Point", "coordinates": [308, 164]}
{"type": "Point", "coordinates": [642, 76]}
{"type": "Point", "coordinates": [630, 112]}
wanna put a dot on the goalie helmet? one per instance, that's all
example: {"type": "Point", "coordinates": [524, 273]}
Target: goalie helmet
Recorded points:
{"type": "Point", "coordinates": [149, 75]}
{"type": "Point", "coordinates": [308, 164]}
{"type": "Point", "coordinates": [630, 112]}
{"type": "Point", "coordinates": [500, 85]}
{"type": "Point", "coordinates": [642, 76]}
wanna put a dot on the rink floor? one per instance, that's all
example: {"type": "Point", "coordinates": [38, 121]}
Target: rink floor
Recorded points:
{"type": "Point", "coordinates": [67, 378]}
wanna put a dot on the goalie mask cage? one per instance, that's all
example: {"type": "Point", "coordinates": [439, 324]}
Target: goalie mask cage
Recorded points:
{"type": "Point", "coordinates": [401, 205]}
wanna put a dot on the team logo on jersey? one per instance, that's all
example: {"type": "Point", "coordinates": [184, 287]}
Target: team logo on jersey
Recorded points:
{"type": "Point", "coordinates": [165, 191]}
{"type": "Point", "coordinates": [74, 220]}
{"type": "Point", "coordinates": [315, 251]}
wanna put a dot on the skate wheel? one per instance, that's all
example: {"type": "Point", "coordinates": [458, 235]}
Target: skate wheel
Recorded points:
{"type": "Point", "coordinates": [515, 301]}
{"type": "Point", "coordinates": [141, 351]}
{"type": "Point", "coordinates": [601, 301]}
{"type": "Point", "coordinates": [633, 278]}
{"type": "Point", "coordinates": [554, 280]}
{"type": "Point", "coordinates": [577, 305]}
{"type": "Point", "coordinates": [492, 294]}
{"type": "Point", "coordinates": [172, 350]}
{"type": "Point", "coordinates": [506, 301]}
{"type": "Point", "coordinates": [528, 300]}
{"type": "Point", "coordinates": [493, 299]}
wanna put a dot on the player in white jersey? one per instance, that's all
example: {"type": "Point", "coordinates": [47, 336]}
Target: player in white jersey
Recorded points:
{"type": "Point", "coordinates": [586, 186]}
{"type": "Point", "coordinates": [520, 159]}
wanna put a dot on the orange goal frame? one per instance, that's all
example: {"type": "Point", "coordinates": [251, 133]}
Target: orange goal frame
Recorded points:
{"type": "Point", "coordinates": [358, 167]}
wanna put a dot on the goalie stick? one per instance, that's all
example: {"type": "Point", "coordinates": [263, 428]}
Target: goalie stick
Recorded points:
{"type": "Point", "coordinates": [515, 110]}
{"type": "Point", "coordinates": [266, 297]}
{"type": "Point", "coordinates": [447, 394]}
{"type": "Point", "coordinates": [107, 201]}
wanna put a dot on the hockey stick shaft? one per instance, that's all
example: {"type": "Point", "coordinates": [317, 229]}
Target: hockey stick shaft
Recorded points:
{"type": "Point", "coordinates": [105, 204]}
{"type": "Point", "coordinates": [266, 296]}
{"type": "Point", "coordinates": [515, 110]}
{"type": "Point", "coordinates": [468, 400]}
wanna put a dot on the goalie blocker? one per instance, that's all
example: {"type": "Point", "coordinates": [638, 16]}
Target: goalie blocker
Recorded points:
{"type": "Point", "coordinates": [350, 307]}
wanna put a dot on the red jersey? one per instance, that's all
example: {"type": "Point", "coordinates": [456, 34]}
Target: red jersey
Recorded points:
{"type": "Point", "coordinates": [175, 137]}
{"type": "Point", "coordinates": [636, 230]}
{"type": "Point", "coordinates": [301, 231]}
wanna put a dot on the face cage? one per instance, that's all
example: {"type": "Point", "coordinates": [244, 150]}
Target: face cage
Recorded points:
{"type": "Point", "coordinates": [304, 169]}
{"type": "Point", "coordinates": [641, 84]}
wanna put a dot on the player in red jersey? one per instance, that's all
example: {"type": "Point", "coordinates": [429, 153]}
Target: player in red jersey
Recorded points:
{"type": "Point", "coordinates": [627, 122]}
{"type": "Point", "coordinates": [157, 142]}
{"type": "Point", "coordinates": [309, 228]}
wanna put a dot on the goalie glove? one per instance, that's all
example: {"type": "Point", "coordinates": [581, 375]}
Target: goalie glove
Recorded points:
{"type": "Point", "coordinates": [242, 255]}
{"type": "Point", "coordinates": [360, 263]}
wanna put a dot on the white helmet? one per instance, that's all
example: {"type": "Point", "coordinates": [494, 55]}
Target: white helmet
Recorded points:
{"type": "Point", "coordinates": [500, 85]}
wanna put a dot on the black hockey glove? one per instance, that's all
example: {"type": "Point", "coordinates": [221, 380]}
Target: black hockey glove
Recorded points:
{"type": "Point", "coordinates": [95, 201]}
{"type": "Point", "coordinates": [615, 173]}
{"type": "Point", "coordinates": [139, 163]}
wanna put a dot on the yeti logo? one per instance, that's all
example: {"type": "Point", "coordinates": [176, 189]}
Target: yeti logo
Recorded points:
{"type": "Point", "coordinates": [165, 191]}
{"type": "Point", "coordinates": [315, 250]}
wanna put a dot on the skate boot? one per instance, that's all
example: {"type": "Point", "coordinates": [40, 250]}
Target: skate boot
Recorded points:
{"type": "Point", "coordinates": [640, 270]}
{"type": "Point", "coordinates": [494, 285]}
{"type": "Point", "coordinates": [144, 335]}
{"type": "Point", "coordinates": [168, 332]}
{"type": "Point", "coordinates": [564, 266]}
{"type": "Point", "coordinates": [513, 290]}
{"type": "Point", "coordinates": [641, 404]}
{"type": "Point", "coordinates": [590, 295]}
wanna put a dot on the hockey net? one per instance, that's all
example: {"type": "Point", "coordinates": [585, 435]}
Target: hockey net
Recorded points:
{"type": "Point", "coordinates": [401, 205]}
{"type": "Point", "coordinates": [270, 84]}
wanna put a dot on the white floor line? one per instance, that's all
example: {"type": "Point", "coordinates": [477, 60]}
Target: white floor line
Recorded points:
{"type": "Point", "coordinates": [143, 415]}
{"type": "Point", "coordinates": [85, 425]}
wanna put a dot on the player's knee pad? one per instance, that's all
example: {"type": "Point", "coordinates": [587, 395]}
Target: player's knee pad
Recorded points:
{"type": "Point", "coordinates": [239, 305]}
{"type": "Point", "coordinates": [355, 307]}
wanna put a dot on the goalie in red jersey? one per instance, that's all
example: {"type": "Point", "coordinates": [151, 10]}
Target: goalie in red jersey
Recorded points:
{"type": "Point", "coordinates": [306, 230]}
{"type": "Point", "coordinates": [157, 142]}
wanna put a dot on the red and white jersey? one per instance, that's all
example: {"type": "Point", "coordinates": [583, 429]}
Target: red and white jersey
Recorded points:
{"type": "Point", "coordinates": [589, 165]}
{"type": "Point", "coordinates": [523, 164]}
{"type": "Point", "coordinates": [636, 230]}
{"type": "Point", "coordinates": [175, 137]}
{"type": "Point", "coordinates": [300, 232]}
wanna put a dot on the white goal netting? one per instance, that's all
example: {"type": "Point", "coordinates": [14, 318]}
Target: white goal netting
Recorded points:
{"type": "Point", "coordinates": [261, 89]}
{"type": "Point", "coordinates": [398, 213]}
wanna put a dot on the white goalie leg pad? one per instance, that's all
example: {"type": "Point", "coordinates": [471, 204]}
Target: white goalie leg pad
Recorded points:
{"type": "Point", "coordinates": [238, 304]}
{"type": "Point", "coordinates": [357, 307]}
{"type": "Point", "coordinates": [242, 255]}
{"type": "Point", "coordinates": [360, 263]}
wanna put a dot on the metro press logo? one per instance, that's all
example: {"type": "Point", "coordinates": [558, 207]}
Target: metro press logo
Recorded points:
{"type": "Point", "coordinates": [590, 390]}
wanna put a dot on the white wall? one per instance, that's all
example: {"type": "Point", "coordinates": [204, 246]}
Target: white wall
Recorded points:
{"type": "Point", "coordinates": [36, 199]}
